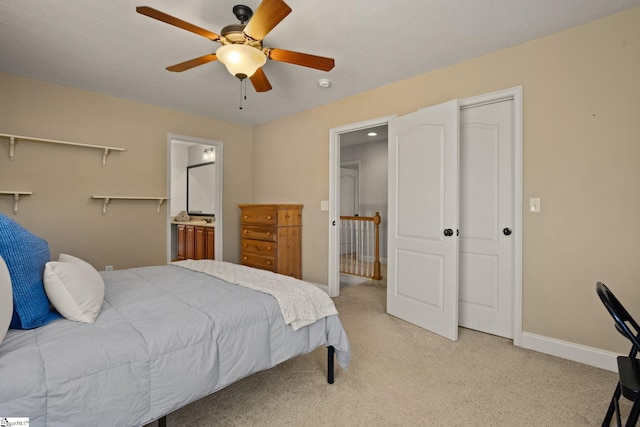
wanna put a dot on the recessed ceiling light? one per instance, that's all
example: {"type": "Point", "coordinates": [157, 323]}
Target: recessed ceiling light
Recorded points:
{"type": "Point", "coordinates": [324, 83]}
{"type": "Point", "coordinates": [372, 134]}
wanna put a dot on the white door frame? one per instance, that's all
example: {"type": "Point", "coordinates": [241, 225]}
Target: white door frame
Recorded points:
{"type": "Point", "coordinates": [514, 93]}
{"type": "Point", "coordinates": [334, 197]}
{"type": "Point", "coordinates": [218, 250]}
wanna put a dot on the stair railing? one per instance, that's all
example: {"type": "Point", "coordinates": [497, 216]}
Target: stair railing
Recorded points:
{"type": "Point", "coordinates": [360, 246]}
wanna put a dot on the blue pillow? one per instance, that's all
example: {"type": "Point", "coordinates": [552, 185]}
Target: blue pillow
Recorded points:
{"type": "Point", "coordinates": [26, 255]}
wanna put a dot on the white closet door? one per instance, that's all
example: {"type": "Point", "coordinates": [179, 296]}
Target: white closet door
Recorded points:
{"type": "Point", "coordinates": [487, 218]}
{"type": "Point", "coordinates": [422, 283]}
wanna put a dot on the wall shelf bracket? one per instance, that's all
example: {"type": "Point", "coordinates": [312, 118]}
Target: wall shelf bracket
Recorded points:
{"type": "Point", "coordinates": [12, 147]}
{"type": "Point", "coordinates": [105, 154]}
{"type": "Point", "coordinates": [160, 201]}
{"type": "Point", "coordinates": [16, 198]}
{"type": "Point", "coordinates": [105, 202]}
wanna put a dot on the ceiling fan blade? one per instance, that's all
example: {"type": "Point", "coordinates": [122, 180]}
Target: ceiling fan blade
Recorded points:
{"type": "Point", "coordinates": [161, 16]}
{"type": "Point", "coordinates": [186, 65]}
{"type": "Point", "coordinates": [268, 14]}
{"type": "Point", "coordinates": [260, 81]}
{"type": "Point", "coordinates": [304, 59]}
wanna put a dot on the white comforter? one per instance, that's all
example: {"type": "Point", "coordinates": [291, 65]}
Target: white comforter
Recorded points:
{"type": "Point", "coordinates": [166, 336]}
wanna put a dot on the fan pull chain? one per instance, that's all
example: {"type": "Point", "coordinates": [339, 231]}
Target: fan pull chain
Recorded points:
{"type": "Point", "coordinates": [243, 91]}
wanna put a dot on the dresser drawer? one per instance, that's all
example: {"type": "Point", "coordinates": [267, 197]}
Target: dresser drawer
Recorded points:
{"type": "Point", "coordinates": [259, 247]}
{"type": "Point", "coordinates": [258, 232]}
{"type": "Point", "coordinates": [258, 261]}
{"type": "Point", "coordinates": [271, 237]}
{"type": "Point", "coordinates": [260, 216]}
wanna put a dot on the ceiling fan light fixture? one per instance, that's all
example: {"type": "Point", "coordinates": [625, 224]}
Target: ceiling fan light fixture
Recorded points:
{"type": "Point", "coordinates": [241, 60]}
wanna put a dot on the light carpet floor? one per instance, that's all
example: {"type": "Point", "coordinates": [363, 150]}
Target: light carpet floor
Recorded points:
{"type": "Point", "coordinates": [402, 375]}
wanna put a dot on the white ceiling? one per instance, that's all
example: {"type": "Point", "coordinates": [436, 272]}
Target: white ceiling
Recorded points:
{"type": "Point", "coordinates": [106, 47]}
{"type": "Point", "coordinates": [362, 136]}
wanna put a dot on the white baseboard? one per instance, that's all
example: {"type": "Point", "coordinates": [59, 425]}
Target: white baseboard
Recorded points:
{"type": "Point", "coordinates": [325, 288]}
{"type": "Point", "coordinates": [571, 351]}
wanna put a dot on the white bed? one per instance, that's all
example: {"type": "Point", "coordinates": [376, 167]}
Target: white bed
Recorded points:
{"type": "Point", "coordinates": [165, 336]}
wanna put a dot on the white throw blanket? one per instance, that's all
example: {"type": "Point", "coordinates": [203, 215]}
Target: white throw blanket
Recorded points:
{"type": "Point", "coordinates": [301, 303]}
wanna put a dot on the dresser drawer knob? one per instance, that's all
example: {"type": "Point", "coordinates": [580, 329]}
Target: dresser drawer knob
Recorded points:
{"type": "Point", "coordinates": [245, 258]}
{"type": "Point", "coordinates": [269, 217]}
{"type": "Point", "coordinates": [245, 231]}
{"type": "Point", "coordinates": [268, 248]}
{"type": "Point", "coordinates": [268, 262]}
{"type": "Point", "coordinates": [246, 217]}
{"type": "Point", "coordinates": [268, 233]}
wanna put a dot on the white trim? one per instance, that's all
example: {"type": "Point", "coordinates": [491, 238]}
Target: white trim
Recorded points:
{"type": "Point", "coordinates": [219, 209]}
{"type": "Point", "coordinates": [322, 287]}
{"type": "Point", "coordinates": [334, 199]}
{"type": "Point", "coordinates": [514, 93]}
{"type": "Point", "coordinates": [571, 351]}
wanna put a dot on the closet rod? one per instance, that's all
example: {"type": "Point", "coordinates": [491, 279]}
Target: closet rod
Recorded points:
{"type": "Point", "coordinates": [12, 145]}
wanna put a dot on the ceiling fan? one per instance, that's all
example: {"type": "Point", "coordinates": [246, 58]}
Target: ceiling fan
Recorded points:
{"type": "Point", "coordinates": [242, 51]}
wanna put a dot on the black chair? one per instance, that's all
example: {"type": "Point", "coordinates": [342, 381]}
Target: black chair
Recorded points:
{"type": "Point", "coordinates": [628, 366]}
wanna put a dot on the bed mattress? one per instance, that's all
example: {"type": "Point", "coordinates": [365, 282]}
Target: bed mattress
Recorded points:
{"type": "Point", "coordinates": [165, 337]}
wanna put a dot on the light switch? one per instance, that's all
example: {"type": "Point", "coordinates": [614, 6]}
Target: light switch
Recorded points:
{"type": "Point", "coordinates": [324, 205]}
{"type": "Point", "coordinates": [534, 204]}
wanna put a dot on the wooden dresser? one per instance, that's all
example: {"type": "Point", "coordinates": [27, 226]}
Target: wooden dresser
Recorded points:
{"type": "Point", "coordinates": [272, 238]}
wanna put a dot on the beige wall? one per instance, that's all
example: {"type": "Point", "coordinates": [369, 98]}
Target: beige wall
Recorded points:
{"type": "Point", "coordinates": [581, 91]}
{"type": "Point", "coordinates": [63, 178]}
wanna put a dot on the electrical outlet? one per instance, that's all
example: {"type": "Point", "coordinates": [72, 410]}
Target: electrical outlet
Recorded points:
{"type": "Point", "coordinates": [108, 268]}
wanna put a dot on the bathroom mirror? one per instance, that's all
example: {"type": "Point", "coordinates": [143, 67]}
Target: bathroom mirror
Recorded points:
{"type": "Point", "coordinates": [201, 189]}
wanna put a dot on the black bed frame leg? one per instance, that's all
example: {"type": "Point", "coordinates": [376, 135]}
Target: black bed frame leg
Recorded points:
{"type": "Point", "coordinates": [162, 422]}
{"type": "Point", "coordinates": [330, 371]}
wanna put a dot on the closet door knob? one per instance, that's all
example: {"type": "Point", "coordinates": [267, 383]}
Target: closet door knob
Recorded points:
{"type": "Point", "coordinates": [448, 232]}
{"type": "Point", "coordinates": [507, 231]}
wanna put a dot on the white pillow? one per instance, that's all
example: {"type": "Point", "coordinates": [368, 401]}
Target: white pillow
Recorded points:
{"type": "Point", "coordinates": [74, 287]}
{"type": "Point", "coordinates": [6, 299]}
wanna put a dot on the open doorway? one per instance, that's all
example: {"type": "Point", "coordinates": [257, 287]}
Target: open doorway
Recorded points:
{"type": "Point", "coordinates": [358, 192]}
{"type": "Point", "coordinates": [188, 158]}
